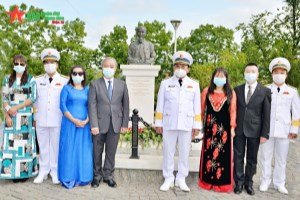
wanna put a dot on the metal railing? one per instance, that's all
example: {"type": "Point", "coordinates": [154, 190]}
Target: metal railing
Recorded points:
{"type": "Point", "coordinates": [135, 119]}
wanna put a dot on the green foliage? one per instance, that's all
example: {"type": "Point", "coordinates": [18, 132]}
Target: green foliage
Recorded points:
{"type": "Point", "coordinates": [268, 36]}
{"type": "Point", "coordinates": [115, 44]}
{"type": "Point", "coordinates": [208, 41]}
{"type": "Point", "coordinates": [202, 73]}
{"type": "Point", "coordinates": [234, 63]}
{"type": "Point", "coordinates": [30, 38]}
{"type": "Point", "coordinates": [146, 137]}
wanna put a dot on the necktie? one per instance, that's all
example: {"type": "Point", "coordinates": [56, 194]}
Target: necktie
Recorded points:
{"type": "Point", "coordinates": [50, 79]}
{"type": "Point", "coordinates": [180, 82]}
{"type": "Point", "coordinates": [249, 94]}
{"type": "Point", "coordinates": [109, 90]}
{"type": "Point", "coordinates": [278, 89]}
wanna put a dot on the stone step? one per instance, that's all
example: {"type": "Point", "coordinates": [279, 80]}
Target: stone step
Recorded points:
{"type": "Point", "coordinates": [151, 158]}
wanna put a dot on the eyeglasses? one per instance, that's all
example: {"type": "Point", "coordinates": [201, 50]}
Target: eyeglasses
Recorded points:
{"type": "Point", "coordinates": [79, 73]}
{"type": "Point", "coordinates": [17, 64]}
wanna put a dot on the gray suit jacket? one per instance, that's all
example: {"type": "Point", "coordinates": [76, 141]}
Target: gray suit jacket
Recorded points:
{"type": "Point", "coordinates": [253, 119]}
{"type": "Point", "coordinates": [102, 110]}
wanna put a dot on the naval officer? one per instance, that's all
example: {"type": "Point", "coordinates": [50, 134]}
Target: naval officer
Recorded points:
{"type": "Point", "coordinates": [178, 119]}
{"type": "Point", "coordinates": [285, 108]}
{"type": "Point", "coordinates": [48, 115]}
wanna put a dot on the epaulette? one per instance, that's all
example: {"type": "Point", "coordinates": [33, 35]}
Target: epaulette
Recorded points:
{"type": "Point", "coordinates": [292, 87]}
{"type": "Point", "coordinates": [194, 80]}
{"type": "Point", "coordinates": [66, 77]}
{"type": "Point", "coordinates": [40, 76]}
{"type": "Point", "coordinates": [166, 78]}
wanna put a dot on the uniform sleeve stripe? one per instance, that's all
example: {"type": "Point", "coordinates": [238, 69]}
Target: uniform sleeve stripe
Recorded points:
{"type": "Point", "coordinates": [295, 123]}
{"type": "Point", "coordinates": [34, 109]}
{"type": "Point", "coordinates": [197, 118]}
{"type": "Point", "coordinates": [158, 116]}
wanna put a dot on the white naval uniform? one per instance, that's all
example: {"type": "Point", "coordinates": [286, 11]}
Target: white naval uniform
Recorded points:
{"type": "Point", "coordinates": [178, 112]}
{"type": "Point", "coordinates": [48, 121]}
{"type": "Point", "coordinates": [285, 116]}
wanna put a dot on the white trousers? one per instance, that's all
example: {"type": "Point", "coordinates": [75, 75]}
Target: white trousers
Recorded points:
{"type": "Point", "coordinates": [48, 139]}
{"type": "Point", "coordinates": [279, 147]}
{"type": "Point", "coordinates": [183, 141]}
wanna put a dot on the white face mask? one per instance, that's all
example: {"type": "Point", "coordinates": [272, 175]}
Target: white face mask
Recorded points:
{"type": "Point", "coordinates": [77, 79]}
{"type": "Point", "coordinates": [108, 72]}
{"type": "Point", "coordinates": [19, 69]}
{"type": "Point", "coordinates": [279, 78]}
{"type": "Point", "coordinates": [50, 68]}
{"type": "Point", "coordinates": [180, 73]}
{"type": "Point", "coordinates": [250, 77]}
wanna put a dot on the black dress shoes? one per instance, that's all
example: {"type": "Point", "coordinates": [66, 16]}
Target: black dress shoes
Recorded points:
{"type": "Point", "coordinates": [110, 183]}
{"type": "Point", "coordinates": [95, 183]}
{"type": "Point", "coordinates": [20, 180]}
{"type": "Point", "coordinates": [238, 189]}
{"type": "Point", "coordinates": [250, 190]}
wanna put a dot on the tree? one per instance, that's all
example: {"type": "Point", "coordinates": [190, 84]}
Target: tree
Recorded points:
{"type": "Point", "coordinates": [292, 20]}
{"type": "Point", "coordinates": [234, 63]}
{"type": "Point", "coordinates": [26, 38]}
{"type": "Point", "coordinates": [270, 35]}
{"type": "Point", "coordinates": [181, 43]}
{"type": "Point", "coordinates": [31, 37]}
{"type": "Point", "coordinates": [207, 41]}
{"type": "Point", "coordinates": [115, 44]}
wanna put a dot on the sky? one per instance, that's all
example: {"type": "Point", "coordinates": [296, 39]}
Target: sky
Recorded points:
{"type": "Point", "coordinates": [102, 15]}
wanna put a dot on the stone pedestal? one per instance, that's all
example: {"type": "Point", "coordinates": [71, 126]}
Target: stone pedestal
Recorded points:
{"type": "Point", "coordinates": [140, 81]}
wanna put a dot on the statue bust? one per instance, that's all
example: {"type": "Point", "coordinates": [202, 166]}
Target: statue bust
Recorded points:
{"type": "Point", "coordinates": [141, 51]}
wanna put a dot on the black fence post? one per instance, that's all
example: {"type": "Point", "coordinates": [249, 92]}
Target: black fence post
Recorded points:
{"type": "Point", "coordinates": [135, 129]}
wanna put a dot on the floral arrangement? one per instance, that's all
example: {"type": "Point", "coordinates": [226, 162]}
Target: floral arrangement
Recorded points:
{"type": "Point", "coordinates": [146, 137]}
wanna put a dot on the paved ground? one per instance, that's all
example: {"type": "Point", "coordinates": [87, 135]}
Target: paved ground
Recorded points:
{"type": "Point", "coordinates": [144, 185]}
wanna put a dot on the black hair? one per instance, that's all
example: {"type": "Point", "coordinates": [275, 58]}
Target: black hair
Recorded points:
{"type": "Point", "coordinates": [83, 82]}
{"type": "Point", "coordinates": [252, 64]}
{"type": "Point", "coordinates": [227, 87]}
{"type": "Point", "coordinates": [13, 75]}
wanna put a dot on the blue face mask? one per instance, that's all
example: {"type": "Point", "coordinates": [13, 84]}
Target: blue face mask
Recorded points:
{"type": "Point", "coordinates": [77, 79]}
{"type": "Point", "coordinates": [19, 69]}
{"type": "Point", "coordinates": [108, 72]}
{"type": "Point", "coordinates": [219, 81]}
{"type": "Point", "coordinates": [250, 77]}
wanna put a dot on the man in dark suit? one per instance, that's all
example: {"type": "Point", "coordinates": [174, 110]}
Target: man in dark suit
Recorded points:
{"type": "Point", "coordinates": [253, 125]}
{"type": "Point", "coordinates": [109, 115]}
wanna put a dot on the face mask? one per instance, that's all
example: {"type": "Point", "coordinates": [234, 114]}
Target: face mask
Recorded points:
{"type": "Point", "coordinates": [250, 77]}
{"type": "Point", "coordinates": [279, 78]}
{"type": "Point", "coordinates": [50, 68]}
{"type": "Point", "coordinates": [19, 69]}
{"type": "Point", "coordinates": [77, 79]}
{"type": "Point", "coordinates": [108, 72]}
{"type": "Point", "coordinates": [180, 73]}
{"type": "Point", "coordinates": [219, 81]}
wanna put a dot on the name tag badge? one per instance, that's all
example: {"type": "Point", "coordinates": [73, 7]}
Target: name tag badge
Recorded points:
{"type": "Point", "coordinates": [171, 88]}
{"type": "Point", "coordinates": [42, 84]}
